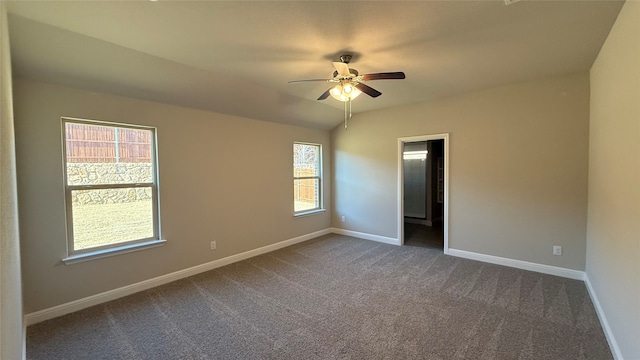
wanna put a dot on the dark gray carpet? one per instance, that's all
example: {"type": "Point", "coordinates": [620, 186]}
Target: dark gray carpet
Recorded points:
{"type": "Point", "coordinates": [337, 297]}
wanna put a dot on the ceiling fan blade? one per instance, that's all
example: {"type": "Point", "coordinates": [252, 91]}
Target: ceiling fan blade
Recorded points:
{"type": "Point", "coordinates": [368, 90]}
{"type": "Point", "coordinates": [343, 69]}
{"type": "Point", "coordinates": [383, 76]}
{"type": "Point", "coordinates": [325, 94]}
{"type": "Point", "coordinates": [297, 81]}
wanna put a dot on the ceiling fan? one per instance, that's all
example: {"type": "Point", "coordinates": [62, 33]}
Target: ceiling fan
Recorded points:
{"type": "Point", "coordinates": [350, 84]}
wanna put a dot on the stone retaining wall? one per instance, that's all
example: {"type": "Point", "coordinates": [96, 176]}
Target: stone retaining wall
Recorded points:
{"type": "Point", "coordinates": [109, 173]}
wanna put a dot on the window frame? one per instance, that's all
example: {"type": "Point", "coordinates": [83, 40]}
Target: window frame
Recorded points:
{"type": "Point", "coordinates": [79, 255]}
{"type": "Point", "coordinates": [319, 177]}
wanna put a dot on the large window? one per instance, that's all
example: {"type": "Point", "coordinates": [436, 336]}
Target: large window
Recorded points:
{"type": "Point", "coordinates": [307, 178]}
{"type": "Point", "coordinates": [111, 187]}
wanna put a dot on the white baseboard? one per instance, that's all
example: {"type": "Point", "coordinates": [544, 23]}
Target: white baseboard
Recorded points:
{"type": "Point", "coordinates": [519, 264]}
{"type": "Point", "coordinates": [67, 308]}
{"type": "Point", "coordinates": [76, 305]}
{"type": "Point", "coordinates": [378, 238]}
{"type": "Point", "coordinates": [613, 344]}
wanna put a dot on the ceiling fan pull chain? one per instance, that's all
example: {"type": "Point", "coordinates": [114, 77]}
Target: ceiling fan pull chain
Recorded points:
{"type": "Point", "coordinates": [345, 114]}
{"type": "Point", "coordinates": [350, 115]}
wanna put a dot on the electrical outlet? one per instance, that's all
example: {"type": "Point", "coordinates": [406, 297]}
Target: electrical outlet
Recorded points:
{"type": "Point", "coordinates": [213, 245]}
{"type": "Point", "coordinates": [344, 218]}
{"type": "Point", "coordinates": [557, 250]}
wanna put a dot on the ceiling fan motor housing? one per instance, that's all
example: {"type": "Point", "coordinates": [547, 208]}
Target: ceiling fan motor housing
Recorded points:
{"type": "Point", "coordinates": [345, 58]}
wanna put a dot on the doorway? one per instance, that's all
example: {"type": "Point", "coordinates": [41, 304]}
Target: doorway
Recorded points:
{"type": "Point", "coordinates": [423, 191]}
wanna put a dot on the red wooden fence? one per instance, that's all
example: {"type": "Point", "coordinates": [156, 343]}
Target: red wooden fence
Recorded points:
{"type": "Point", "coordinates": [305, 190]}
{"type": "Point", "coordinates": [106, 144]}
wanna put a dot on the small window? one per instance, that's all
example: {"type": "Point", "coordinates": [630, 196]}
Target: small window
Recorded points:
{"type": "Point", "coordinates": [307, 178]}
{"type": "Point", "coordinates": [110, 186]}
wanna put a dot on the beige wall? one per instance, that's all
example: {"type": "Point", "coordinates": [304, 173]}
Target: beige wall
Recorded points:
{"type": "Point", "coordinates": [613, 228]}
{"type": "Point", "coordinates": [518, 169]}
{"type": "Point", "coordinates": [240, 194]}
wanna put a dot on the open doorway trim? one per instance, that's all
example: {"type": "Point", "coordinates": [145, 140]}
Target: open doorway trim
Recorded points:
{"type": "Point", "coordinates": [401, 142]}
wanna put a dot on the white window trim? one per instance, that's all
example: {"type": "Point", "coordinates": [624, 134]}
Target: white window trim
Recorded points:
{"type": "Point", "coordinates": [309, 212]}
{"type": "Point", "coordinates": [320, 208]}
{"type": "Point", "coordinates": [75, 256]}
{"type": "Point", "coordinates": [73, 259]}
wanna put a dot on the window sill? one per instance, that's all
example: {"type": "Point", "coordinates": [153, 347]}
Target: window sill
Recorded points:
{"type": "Point", "coordinates": [73, 259]}
{"type": "Point", "coordinates": [310, 212]}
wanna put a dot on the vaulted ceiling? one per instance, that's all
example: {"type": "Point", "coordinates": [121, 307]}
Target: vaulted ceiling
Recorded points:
{"type": "Point", "coordinates": [235, 57]}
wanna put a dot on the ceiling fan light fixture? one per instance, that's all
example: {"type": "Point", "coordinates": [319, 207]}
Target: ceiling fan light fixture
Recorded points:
{"type": "Point", "coordinates": [344, 92]}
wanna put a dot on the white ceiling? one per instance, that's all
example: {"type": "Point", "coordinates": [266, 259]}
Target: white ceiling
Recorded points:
{"type": "Point", "coordinates": [236, 57]}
